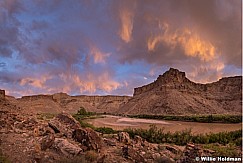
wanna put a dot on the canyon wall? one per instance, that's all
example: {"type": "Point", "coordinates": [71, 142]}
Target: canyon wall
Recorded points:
{"type": "Point", "coordinates": [174, 79]}
{"type": "Point", "coordinates": [173, 93]}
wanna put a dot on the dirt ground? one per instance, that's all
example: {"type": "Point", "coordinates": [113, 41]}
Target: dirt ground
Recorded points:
{"type": "Point", "coordinates": [120, 123]}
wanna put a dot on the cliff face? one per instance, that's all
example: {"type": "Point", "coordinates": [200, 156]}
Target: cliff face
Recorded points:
{"type": "Point", "coordinates": [172, 78]}
{"type": "Point", "coordinates": [173, 93]}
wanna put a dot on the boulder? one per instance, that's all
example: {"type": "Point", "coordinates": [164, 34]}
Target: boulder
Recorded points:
{"type": "Point", "coordinates": [47, 141]}
{"type": "Point", "coordinates": [88, 138]}
{"type": "Point", "coordinates": [65, 147]}
{"type": "Point", "coordinates": [43, 130]}
{"type": "Point", "coordinates": [191, 152]}
{"type": "Point", "coordinates": [138, 139]}
{"type": "Point", "coordinates": [129, 152]}
{"type": "Point", "coordinates": [64, 123]}
{"type": "Point", "coordinates": [172, 149]}
{"type": "Point", "coordinates": [109, 142]}
{"type": "Point", "coordinates": [124, 137]}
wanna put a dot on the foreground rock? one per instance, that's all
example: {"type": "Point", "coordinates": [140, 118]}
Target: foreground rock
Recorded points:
{"type": "Point", "coordinates": [64, 123]}
{"type": "Point", "coordinates": [66, 147]}
{"type": "Point", "coordinates": [124, 137]}
{"type": "Point", "coordinates": [47, 142]}
{"type": "Point", "coordinates": [88, 138]}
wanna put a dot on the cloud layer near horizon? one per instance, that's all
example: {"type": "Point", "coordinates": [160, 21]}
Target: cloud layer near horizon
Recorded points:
{"type": "Point", "coordinates": [110, 47]}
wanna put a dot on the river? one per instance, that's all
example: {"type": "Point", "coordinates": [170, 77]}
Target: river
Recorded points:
{"type": "Point", "coordinates": [120, 123]}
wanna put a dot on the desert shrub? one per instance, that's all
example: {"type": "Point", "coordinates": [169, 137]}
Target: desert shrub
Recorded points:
{"type": "Point", "coordinates": [229, 150]}
{"type": "Point", "coordinates": [91, 156]}
{"type": "Point", "coordinates": [155, 135]}
{"type": "Point", "coordinates": [105, 130]}
{"type": "Point", "coordinates": [86, 124]}
{"type": "Point", "coordinates": [82, 112]}
{"type": "Point", "coordinates": [195, 118]}
{"type": "Point", "coordinates": [238, 142]}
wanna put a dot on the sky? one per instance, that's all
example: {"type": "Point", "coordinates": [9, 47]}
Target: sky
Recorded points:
{"type": "Point", "coordinates": [100, 47]}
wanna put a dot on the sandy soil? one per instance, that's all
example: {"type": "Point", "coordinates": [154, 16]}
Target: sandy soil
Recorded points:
{"type": "Point", "coordinates": [120, 123]}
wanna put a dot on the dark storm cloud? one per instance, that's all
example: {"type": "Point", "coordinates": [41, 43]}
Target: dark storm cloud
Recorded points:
{"type": "Point", "coordinates": [9, 32]}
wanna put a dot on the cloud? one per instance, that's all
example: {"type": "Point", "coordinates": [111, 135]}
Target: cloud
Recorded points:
{"type": "Point", "coordinates": [173, 33]}
{"type": "Point", "coordinates": [35, 82]}
{"type": "Point", "coordinates": [126, 25]}
{"type": "Point", "coordinates": [190, 42]}
{"type": "Point", "coordinates": [110, 46]}
{"type": "Point", "coordinates": [99, 57]}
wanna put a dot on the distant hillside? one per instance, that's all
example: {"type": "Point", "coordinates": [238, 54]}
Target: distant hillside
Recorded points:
{"type": "Point", "coordinates": [172, 93]}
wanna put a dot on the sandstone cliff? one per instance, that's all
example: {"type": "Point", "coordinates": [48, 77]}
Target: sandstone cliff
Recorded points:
{"type": "Point", "coordinates": [173, 93]}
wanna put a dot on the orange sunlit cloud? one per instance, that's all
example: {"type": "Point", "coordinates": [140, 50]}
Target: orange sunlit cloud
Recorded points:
{"type": "Point", "coordinates": [190, 41]}
{"type": "Point", "coordinates": [99, 57]}
{"type": "Point", "coordinates": [38, 83]}
{"type": "Point", "coordinates": [94, 82]}
{"type": "Point", "coordinates": [126, 25]}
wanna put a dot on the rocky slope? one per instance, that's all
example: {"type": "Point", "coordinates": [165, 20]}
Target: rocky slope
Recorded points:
{"type": "Point", "coordinates": [172, 93]}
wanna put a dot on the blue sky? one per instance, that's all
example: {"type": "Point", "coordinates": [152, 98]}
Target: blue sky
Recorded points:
{"type": "Point", "coordinates": [110, 47]}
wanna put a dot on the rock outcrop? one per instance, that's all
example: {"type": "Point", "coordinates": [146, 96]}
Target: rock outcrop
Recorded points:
{"type": "Point", "coordinates": [172, 93]}
{"type": "Point", "coordinates": [65, 147]}
{"type": "Point", "coordinates": [2, 94]}
{"type": "Point", "coordinates": [88, 138]}
{"type": "Point", "coordinates": [64, 123]}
